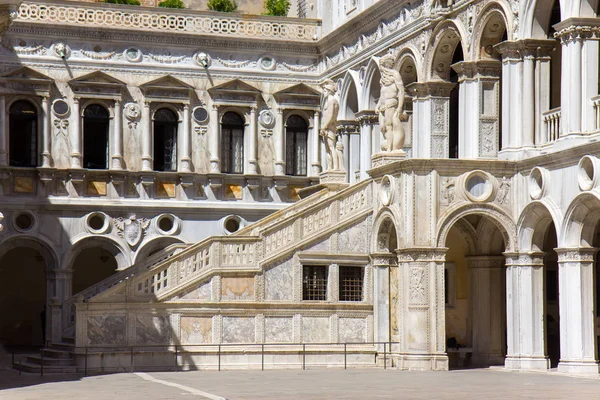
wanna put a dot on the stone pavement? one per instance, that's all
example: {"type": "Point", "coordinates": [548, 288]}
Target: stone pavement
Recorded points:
{"type": "Point", "coordinates": [317, 384]}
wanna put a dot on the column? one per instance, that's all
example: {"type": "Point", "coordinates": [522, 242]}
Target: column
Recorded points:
{"type": "Point", "coordinates": [316, 148]}
{"type": "Point", "coordinates": [76, 136]}
{"type": "Point", "coordinates": [486, 301]}
{"type": "Point", "coordinates": [3, 132]}
{"type": "Point", "coordinates": [525, 311]}
{"type": "Point", "coordinates": [253, 144]}
{"type": "Point", "coordinates": [46, 134]}
{"type": "Point", "coordinates": [214, 140]}
{"type": "Point", "coordinates": [186, 161]}
{"type": "Point", "coordinates": [117, 140]}
{"type": "Point", "coordinates": [355, 156]}
{"type": "Point", "coordinates": [528, 119]}
{"type": "Point", "coordinates": [576, 308]}
{"type": "Point", "coordinates": [381, 296]}
{"type": "Point", "coordinates": [589, 80]}
{"type": "Point", "coordinates": [346, 153]}
{"type": "Point", "coordinates": [279, 143]}
{"type": "Point", "coordinates": [366, 133]}
{"type": "Point", "coordinates": [422, 323]}
{"type": "Point", "coordinates": [433, 100]}
{"type": "Point", "coordinates": [146, 138]}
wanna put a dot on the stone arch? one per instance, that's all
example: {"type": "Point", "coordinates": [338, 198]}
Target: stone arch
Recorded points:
{"type": "Point", "coordinates": [500, 218]}
{"type": "Point", "coordinates": [350, 102]}
{"type": "Point", "coordinates": [444, 42]}
{"type": "Point", "coordinates": [35, 242]}
{"type": "Point", "coordinates": [533, 223]}
{"type": "Point", "coordinates": [155, 244]}
{"type": "Point", "coordinates": [580, 221]}
{"type": "Point", "coordinates": [116, 249]}
{"type": "Point", "coordinates": [370, 92]}
{"type": "Point", "coordinates": [384, 230]}
{"type": "Point", "coordinates": [488, 30]}
{"type": "Point", "coordinates": [409, 66]}
{"type": "Point", "coordinates": [536, 18]}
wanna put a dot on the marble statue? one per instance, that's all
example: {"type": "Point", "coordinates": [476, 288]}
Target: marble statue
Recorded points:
{"type": "Point", "coordinates": [328, 130]}
{"type": "Point", "coordinates": [391, 105]}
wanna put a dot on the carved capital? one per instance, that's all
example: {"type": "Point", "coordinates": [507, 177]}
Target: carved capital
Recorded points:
{"type": "Point", "coordinates": [468, 70]}
{"type": "Point", "coordinates": [527, 48]}
{"type": "Point", "coordinates": [423, 254]}
{"type": "Point", "coordinates": [529, 259]}
{"type": "Point", "coordinates": [576, 254]}
{"type": "Point", "coordinates": [430, 89]}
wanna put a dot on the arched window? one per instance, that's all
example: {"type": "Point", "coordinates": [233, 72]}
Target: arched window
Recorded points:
{"type": "Point", "coordinates": [96, 122]}
{"type": "Point", "coordinates": [165, 140]}
{"type": "Point", "coordinates": [22, 134]}
{"type": "Point", "coordinates": [232, 145]}
{"type": "Point", "coordinates": [296, 137]}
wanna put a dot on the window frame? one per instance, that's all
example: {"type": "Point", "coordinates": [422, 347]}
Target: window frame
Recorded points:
{"type": "Point", "coordinates": [175, 126]}
{"type": "Point", "coordinates": [293, 167]}
{"type": "Point", "coordinates": [361, 270]}
{"type": "Point", "coordinates": [228, 167]}
{"type": "Point", "coordinates": [34, 151]}
{"type": "Point", "coordinates": [325, 289]}
{"type": "Point", "coordinates": [109, 128]}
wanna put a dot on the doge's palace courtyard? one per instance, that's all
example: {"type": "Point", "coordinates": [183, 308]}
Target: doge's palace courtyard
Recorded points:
{"type": "Point", "coordinates": [311, 384]}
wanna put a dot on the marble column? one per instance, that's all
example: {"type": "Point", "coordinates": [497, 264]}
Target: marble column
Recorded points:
{"type": "Point", "coordinates": [366, 119]}
{"type": "Point", "coordinates": [315, 146]}
{"type": "Point", "coordinates": [576, 308]}
{"type": "Point", "coordinates": [478, 108]}
{"type": "Point", "coordinates": [3, 132]}
{"type": "Point", "coordinates": [46, 134]}
{"type": "Point", "coordinates": [486, 301]}
{"type": "Point", "coordinates": [117, 140]}
{"type": "Point", "coordinates": [525, 311]}
{"type": "Point", "coordinates": [76, 137]}
{"type": "Point", "coordinates": [279, 143]}
{"type": "Point", "coordinates": [253, 144]}
{"type": "Point", "coordinates": [381, 297]}
{"type": "Point", "coordinates": [186, 161]}
{"type": "Point", "coordinates": [432, 100]}
{"type": "Point", "coordinates": [422, 310]}
{"type": "Point", "coordinates": [214, 140]}
{"type": "Point", "coordinates": [147, 156]}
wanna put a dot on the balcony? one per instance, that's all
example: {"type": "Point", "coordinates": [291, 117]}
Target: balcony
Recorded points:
{"type": "Point", "coordinates": [169, 20]}
{"type": "Point", "coordinates": [552, 125]}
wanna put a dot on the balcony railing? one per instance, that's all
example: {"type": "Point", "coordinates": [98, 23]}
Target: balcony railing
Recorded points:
{"type": "Point", "coordinates": [210, 23]}
{"type": "Point", "coordinates": [552, 125]}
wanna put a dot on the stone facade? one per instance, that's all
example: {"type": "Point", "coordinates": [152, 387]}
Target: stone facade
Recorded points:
{"type": "Point", "coordinates": [448, 250]}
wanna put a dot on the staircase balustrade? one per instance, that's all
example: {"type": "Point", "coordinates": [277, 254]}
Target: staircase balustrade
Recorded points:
{"type": "Point", "coordinates": [553, 124]}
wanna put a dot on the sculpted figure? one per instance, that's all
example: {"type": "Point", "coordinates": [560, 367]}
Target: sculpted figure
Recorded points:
{"type": "Point", "coordinates": [328, 130]}
{"type": "Point", "coordinates": [391, 105]}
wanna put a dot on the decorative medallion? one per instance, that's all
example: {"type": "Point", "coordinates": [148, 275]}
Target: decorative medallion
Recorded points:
{"type": "Point", "coordinates": [203, 59]}
{"type": "Point", "coordinates": [60, 108]}
{"type": "Point", "coordinates": [132, 111]}
{"type": "Point", "coordinates": [133, 55]}
{"type": "Point", "coordinates": [200, 115]}
{"type": "Point", "coordinates": [267, 63]}
{"type": "Point", "coordinates": [266, 118]}
{"type": "Point", "coordinates": [131, 229]}
{"type": "Point", "coordinates": [387, 190]}
{"type": "Point", "coordinates": [61, 50]}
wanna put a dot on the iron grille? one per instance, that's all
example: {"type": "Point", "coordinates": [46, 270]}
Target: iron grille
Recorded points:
{"type": "Point", "coordinates": [314, 281]}
{"type": "Point", "coordinates": [351, 283]}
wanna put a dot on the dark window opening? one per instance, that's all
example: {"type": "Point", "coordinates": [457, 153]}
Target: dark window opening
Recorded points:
{"type": "Point", "coordinates": [351, 283]}
{"type": "Point", "coordinates": [22, 134]}
{"type": "Point", "coordinates": [232, 143]}
{"type": "Point", "coordinates": [165, 140]}
{"type": "Point", "coordinates": [296, 140]}
{"type": "Point", "coordinates": [314, 283]}
{"type": "Point", "coordinates": [96, 122]}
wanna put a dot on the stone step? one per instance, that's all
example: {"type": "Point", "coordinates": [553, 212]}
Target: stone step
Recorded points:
{"type": "Point", "coordinates": [50, 361]}
{"type": "Point", "coordinates": [57, 353]}
{"type": "Point", "coordinates": [64, 345]}
{"type": "Point", "coordinates": [50, 369]}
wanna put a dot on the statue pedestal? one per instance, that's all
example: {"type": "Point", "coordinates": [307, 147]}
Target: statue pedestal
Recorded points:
{"type": "Point", "coordinates": [334, 180]}
{"type": "Point", "coordinates": [385, 158]}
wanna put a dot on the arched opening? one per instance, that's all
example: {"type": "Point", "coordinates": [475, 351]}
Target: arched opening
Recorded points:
{"type": "Point", "coordinates": [296, 139]}
{"type": "Point", "coordinates": [555, 57]}
{"type": "Point", "coordinates": [475, 287]}
{"type": "Point", "coordinates": [453, 123]}
{"type": "Point", "coordinates": [92, 265]}
{"type": "Point", "coordinates": [96, 122]}
{"type": "Point", "coordinates": [232, 143]}
{"type": "Point", "coordinates": [408, 72]}
{"type": "Point", "coordinates": [165, 140]}
{"type": "Point", "coordinates": [22, 297]}
{"type": "Point", "coordinates": [351, 101]}
{"type": "Point", "coordinates": [373, 95]}
{"type": "Point", "coordinates": [551, 293]}
{"type": "Point", "coordinates": [23, 134]}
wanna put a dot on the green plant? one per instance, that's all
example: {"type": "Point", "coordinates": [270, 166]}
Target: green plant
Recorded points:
{"type": "Point", "coordinates": [171, 4]}
{"type": "Point", "coordinates": [127, 2]}
{"type": "Point", "coordinates": [222, 5]}
{"type": "Point", "coordinates": [277, 8]}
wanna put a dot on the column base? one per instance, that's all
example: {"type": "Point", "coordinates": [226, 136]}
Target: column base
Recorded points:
{"type": "Point", "coordinates": [117, 163]}
{"type": "Point", "coordinates": [421, 362]}
{"type": "Point", "coordinates": [527, 363]}
{"type": "Point", "coordinates": [47, 160]}
{"type": "Point", "coordinates": [578, 367]}
{"type": "Point", "coordinates": [385, 158]}
{"type": "Point", "coordinates": [76, 161]}
{"type": "Point", "coordinates": [146, 164]}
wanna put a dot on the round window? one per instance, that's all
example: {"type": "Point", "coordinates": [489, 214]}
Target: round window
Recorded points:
{"type": "Point", "coordinates": [587, 173]}
{"type": "Point", "coordinates": [200, 114]}
{"type": "Point", "coordinates": [96, 222]}
{"type": "Point", "coordinates": [478, 186]}
{"type": "Point", "coordinates": [167, 224]}
{"type": "Point", "coordinates": [537, 184]}
{"type": "Point", "coordinates": [24, 221]}
{"type": "Point", "coordinates": [232, 224]}
{"type": "Point", "coordinates": [60, 108]}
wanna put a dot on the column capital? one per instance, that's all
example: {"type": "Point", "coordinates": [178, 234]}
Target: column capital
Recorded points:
{"type": "Point", "coordinates": [577, 29]}
{"type": "Point", "coordinates": [279, 110]}
{"type": "Point", "coordinates": [367, 117]}
{"type": "Point", "coordinates": [525, 259]}
{"type": "Point", "coordinates": [517, 50]}
{"type": "Point", "coordinates": [383, 259]}
{"type": "Point", "coordinates": [430, 89]}
{"type": "Point", "coordinates": [576, 254]}
{"type": "Point", "coordinates": [186, 106]}
{"type": "Point", "coordinates": [427, 254]}
{"type": "Point", "coordinates": [470, 70]}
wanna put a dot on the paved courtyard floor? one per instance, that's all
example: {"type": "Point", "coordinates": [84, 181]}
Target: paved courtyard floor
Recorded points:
{"type": "Point", "coordinates": [293, 384]}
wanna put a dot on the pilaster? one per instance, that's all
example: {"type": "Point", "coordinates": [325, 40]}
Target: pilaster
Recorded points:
{"type": "Point", "coordinates": [186, 161]}
{"type": "Point", "coordinates": [214, 140]}
{"type": "Point", "coordinates": [117, 140]}
{"type": "Point", "coordinates": [46, 132]}
{"type": "Point", "coordinates": [366, 119]}
{"type": "Point", "coordinates": [76, 134]}
{"type": "Point", "coordinates": [146, 138]}
{"type": "Point", "coordinates": [382, 307]}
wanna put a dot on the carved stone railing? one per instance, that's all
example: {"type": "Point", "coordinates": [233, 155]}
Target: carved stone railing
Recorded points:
{"type": "Point", "coordinates": [68, 307]}
{"type": "Point", "coordinates": [88, 15]}
{"type": "Point", "coordinates": [552, 124]}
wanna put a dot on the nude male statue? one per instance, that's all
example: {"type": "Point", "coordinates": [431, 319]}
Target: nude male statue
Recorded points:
{"type": "Point", "coordinates": [391, 105]}
{"type": "Point", "coordinates": [328, 130]}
